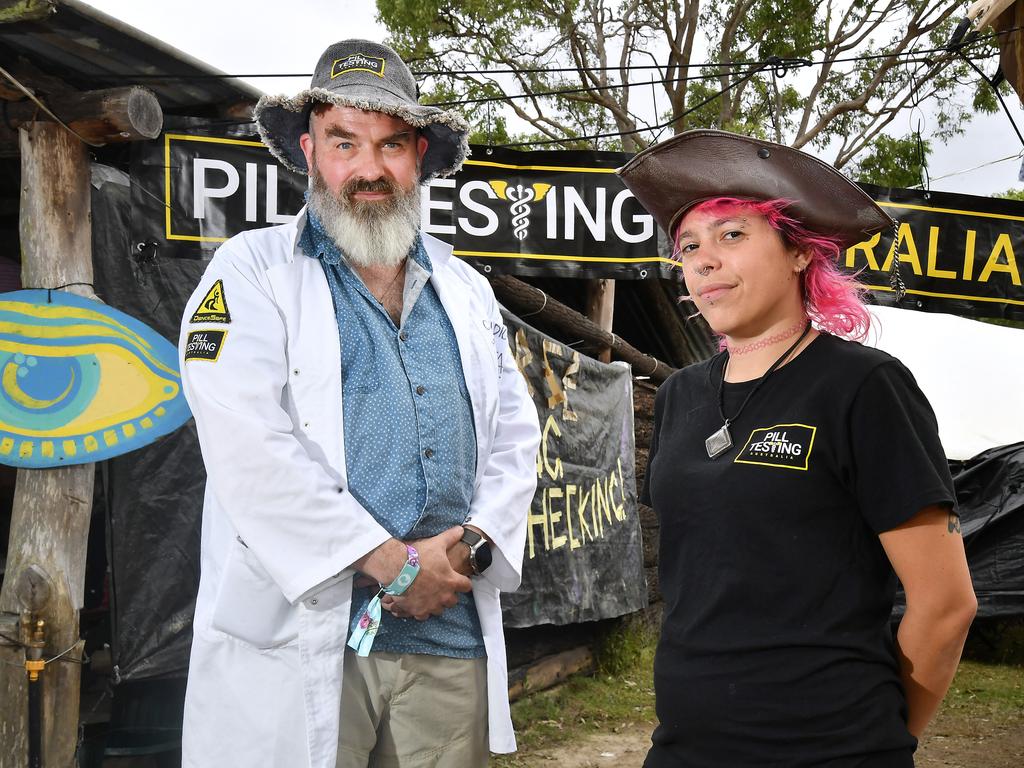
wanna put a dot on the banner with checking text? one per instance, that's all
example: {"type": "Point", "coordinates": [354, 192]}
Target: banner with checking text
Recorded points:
{"type": "Point", "coordinates": [583, 558]}
{"type": "Point", "coordinates": [561, 214]}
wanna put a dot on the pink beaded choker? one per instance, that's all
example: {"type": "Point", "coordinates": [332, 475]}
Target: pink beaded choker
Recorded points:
{"type": "Point", "coordinates": [768, 340]}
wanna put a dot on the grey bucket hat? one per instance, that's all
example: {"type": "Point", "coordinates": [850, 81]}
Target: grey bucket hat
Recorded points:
{"type": "Point", "coordinates": [368, 76]}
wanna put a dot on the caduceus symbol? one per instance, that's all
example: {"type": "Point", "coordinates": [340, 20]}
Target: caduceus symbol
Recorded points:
{"type": "Point", "coordinates": [520, 198]}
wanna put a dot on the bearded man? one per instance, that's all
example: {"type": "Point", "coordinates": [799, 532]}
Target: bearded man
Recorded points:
{"type": "Point", "coordinates": [370, 455]}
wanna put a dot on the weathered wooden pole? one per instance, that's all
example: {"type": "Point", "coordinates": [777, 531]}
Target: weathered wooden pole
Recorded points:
{"type": "Point", "coordinates": [601, 309]}
{"type": "Point", "coordinates": [50, 522]}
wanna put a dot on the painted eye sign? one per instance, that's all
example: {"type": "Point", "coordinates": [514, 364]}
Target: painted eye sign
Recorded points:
{"type": "Point", "coordinates": [81, 381]}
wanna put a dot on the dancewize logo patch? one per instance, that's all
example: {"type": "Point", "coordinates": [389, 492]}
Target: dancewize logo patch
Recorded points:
{"type": "Point", "coordinates": [787, 446]}
{"type": "Point", "coordinates": [358, 62]}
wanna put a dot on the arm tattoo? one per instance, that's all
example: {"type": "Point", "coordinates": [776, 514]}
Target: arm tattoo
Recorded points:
{"type": "Point", "coordinates": [953, 523]}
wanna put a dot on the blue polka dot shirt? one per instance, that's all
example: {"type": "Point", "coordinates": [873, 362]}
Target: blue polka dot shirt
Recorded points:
{"type": "Point", "coordinates": [410, 445]}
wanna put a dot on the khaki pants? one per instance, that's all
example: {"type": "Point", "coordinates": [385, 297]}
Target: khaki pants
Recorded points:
{"type": "Point", "coordinates": [413, 711]}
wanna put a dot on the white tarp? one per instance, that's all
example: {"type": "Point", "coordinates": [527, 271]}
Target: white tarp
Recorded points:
{"type": "Point", "coordinates": [972, 372]}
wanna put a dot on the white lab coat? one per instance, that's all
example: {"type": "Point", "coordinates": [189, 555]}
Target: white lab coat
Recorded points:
{"type": "Point", "coordinates": [279, 529]}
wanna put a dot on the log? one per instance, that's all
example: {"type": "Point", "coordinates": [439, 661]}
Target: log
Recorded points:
{"type": "Point", "coordinates": [689, 340]}
{"type": "Point", "coordinates": [601, 309]}
{"type": "Point", "coordinates": [550, 671]}
{"type": "Point", "coordinates": [529, 301]}
{"type": "Point", "coordinates": [50, 519]}
{"type": "Point", "coordinates": [99, 117]}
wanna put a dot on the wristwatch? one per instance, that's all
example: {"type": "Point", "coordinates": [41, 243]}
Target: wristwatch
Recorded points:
{"type": "Point", "coordinates": [479, 550]}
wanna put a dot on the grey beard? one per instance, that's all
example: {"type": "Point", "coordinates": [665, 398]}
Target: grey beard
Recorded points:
{"type": "Point", "coordinates": [369, 234]}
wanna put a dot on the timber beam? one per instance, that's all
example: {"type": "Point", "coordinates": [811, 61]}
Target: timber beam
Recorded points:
{"type": "Point", "coordinates": [528, 300]}
{"type": "Point", "coordinates": [100, 117]}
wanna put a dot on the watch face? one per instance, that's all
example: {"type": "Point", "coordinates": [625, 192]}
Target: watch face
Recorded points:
{"type": "Point", "coordinates": [483, 557]}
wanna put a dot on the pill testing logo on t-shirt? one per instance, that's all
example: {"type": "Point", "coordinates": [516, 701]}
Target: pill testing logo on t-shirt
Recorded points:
{"type": "Point", "coordinates": [783, 445]}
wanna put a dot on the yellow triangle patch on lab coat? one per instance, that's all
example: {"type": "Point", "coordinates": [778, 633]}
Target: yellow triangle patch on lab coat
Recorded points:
{"type": "Point", "coordinates": [214, 306]}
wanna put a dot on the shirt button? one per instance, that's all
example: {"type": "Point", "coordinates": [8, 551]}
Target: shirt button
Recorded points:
{"type": "Point", "coordinates": [404, 336]}
{"type": "Point", "coordinates": [420, 389]}
{"type": "Point", "coordinates": [428, 452]}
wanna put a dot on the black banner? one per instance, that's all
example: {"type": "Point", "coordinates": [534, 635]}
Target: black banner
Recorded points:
{"type": "Point", "coordinates": [526, 213]}
{"type": "Point", "coordinates": [554, 214]}
{"type": "Point", "coordinates": [583, 558]}
{"type": "Point", "coordinates": [201, 183]}
{"type": "Point", "coordinates": [956, 253]}
{"type": "Point", "coordinates": [563, 214]}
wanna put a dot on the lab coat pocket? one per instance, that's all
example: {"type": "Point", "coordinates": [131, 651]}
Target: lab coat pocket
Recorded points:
{"type": "Point", "coordinates": [250, 607]}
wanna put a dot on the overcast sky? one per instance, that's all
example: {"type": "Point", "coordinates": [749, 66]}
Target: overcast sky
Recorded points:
{"type": "Point", "coordinates": [270, 36]}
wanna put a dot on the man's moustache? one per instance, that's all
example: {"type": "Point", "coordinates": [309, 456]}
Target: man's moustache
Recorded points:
{"type": "Point", "coordinates": [364, 185]}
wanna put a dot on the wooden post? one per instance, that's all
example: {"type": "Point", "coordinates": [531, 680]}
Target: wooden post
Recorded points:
{"type": "Point", "coordinates": [601, 309]}
{"type": "Point", "coordinates": [50, 522]}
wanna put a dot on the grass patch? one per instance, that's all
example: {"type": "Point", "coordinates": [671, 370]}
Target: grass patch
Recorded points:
{"type": "Point", "coordinates": [619, 696]}
{"type": "Point", "coordinates": [986, 690]}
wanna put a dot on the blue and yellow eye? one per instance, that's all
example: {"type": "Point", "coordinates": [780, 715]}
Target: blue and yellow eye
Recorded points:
{"type": "Point", "coordinates": [80, 381]}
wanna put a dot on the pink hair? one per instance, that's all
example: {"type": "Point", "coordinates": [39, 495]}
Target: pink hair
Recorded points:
{"type": "Point", "coordinates": [833, 299]}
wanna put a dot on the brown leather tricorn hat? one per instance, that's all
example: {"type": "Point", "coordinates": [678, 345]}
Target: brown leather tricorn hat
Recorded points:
{"type": "Point", "coordinates": [671, 177]}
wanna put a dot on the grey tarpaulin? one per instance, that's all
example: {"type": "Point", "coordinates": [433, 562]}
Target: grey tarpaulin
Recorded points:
{"type": "Point", "coordinates": [583, 558]}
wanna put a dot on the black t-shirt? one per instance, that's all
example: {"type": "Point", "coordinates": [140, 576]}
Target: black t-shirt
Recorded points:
{"type": "Point", "coordinates": [776, 648]}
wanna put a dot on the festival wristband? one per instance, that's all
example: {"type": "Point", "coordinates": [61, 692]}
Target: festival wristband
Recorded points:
{"type": "Point", "coordinates": [362, 638]}
{"type": "Point", "coordinates": [407, 575]}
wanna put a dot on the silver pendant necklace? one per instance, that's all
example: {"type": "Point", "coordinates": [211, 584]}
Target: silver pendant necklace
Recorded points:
{"type": "Point", "coordinates": [720, 441]}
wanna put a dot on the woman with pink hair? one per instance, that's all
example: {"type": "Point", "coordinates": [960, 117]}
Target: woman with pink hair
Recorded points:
{"type": "Point", "coordinates": [797, 475]}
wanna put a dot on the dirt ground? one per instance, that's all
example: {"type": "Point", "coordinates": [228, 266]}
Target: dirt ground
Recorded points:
{"type": "Point", "coordinates": [949, 743]}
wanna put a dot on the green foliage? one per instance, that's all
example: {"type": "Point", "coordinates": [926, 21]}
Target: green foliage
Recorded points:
{"type": "Point", "coordinates": [1012, 194]}
{"type": "Point", "coordinates": [542, 46]}
{"type": "Point", "coordinates": [893, 162]}
{"type": "Point", "coordinates": [622, 647]}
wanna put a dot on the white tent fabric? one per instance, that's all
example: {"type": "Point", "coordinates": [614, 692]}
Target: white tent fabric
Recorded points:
{"type": "Point", "coordinates": [972, 372]}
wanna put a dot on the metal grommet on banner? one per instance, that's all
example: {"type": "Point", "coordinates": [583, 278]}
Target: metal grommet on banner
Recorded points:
{"type": "Point", "coordinates": [643, 273]}
{"type": "Point", "coordinates": [487, 268]}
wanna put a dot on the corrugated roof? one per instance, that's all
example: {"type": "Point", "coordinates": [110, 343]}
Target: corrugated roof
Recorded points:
{"type": "Point", "coordinates": [89, 50]}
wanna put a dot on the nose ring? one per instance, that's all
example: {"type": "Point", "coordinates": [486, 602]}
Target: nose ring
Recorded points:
{"type": "Point", "coordinates": [703, 271]}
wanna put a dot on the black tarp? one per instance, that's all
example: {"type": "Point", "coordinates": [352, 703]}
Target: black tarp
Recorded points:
{"type": "Point", "coordinates": [990, 498]}
{"type": "Point", "coordinates": [990, 494]}
{"type": "Point", "coordinates": [152, 497]}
